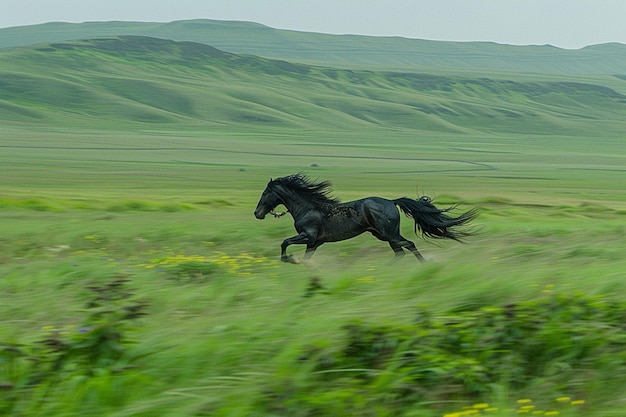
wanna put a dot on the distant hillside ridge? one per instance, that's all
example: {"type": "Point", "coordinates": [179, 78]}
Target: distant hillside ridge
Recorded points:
{"type": "Point", "coordinates": [134, 80]}
{"type": "Point", "coordinates": [346, 51]}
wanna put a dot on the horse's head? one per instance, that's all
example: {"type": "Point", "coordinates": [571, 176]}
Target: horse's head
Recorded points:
{"type": "Point", "coordinates": [268, 202]}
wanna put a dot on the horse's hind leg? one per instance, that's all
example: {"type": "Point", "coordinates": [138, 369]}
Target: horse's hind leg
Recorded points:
{"type": "Point", "coordinates": [411, 246]}
{"type": "Point", "coordinates": [397, 249]}
{"type": "Point", "coordinates": [397, 243]}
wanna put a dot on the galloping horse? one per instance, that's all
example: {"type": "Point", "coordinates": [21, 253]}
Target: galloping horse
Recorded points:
{"type": "Point", "coordinates": [320, 218]}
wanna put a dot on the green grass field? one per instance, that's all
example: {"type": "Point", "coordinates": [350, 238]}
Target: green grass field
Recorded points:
{"type": "Point", "coordinates": [227, 324]}
{"type": "Point", "coordinates": [135, 280]}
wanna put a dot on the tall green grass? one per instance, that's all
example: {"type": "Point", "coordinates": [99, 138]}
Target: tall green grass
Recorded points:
{"type": "Point", "coordinates": [228, 328]}
{"type": "Point", "coordinates": [227, 323]}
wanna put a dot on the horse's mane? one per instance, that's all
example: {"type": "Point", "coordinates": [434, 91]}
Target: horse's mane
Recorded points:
{"type": "Point", "coordinates": [315, 192]}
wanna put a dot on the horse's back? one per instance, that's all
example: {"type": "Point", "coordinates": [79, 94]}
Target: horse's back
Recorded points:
{"type": "Point", "coordinates": [379, 205]}
{"type": "Point", "coordinates": [376, 211]}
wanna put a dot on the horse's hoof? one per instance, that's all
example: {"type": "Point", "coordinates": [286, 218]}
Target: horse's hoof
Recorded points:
{"type": "Point", "coordinates": [289, 259]}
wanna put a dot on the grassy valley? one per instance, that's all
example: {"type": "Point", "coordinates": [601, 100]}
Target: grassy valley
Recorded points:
{"type": "Point", "coordinates": [135, 280]}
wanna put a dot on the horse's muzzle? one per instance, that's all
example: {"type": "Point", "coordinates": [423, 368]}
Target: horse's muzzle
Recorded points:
{"type": "Point", "coordinates": [259, 215]}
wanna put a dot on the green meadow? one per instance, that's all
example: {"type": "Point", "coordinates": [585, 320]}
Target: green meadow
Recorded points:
{"type": "Point", "coordinates": [135, 280]}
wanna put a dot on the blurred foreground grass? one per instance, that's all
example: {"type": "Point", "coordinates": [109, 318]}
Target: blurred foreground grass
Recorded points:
{"type": "Point", "coordinates": [229, 330]}
{"type": "Point", "coordinates": [135, 281]}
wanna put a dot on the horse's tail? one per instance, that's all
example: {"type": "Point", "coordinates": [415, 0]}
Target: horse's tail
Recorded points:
{"type": "Point", "coordinates": [434, 222]}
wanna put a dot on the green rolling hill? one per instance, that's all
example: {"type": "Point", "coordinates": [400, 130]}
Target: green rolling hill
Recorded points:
{"type": "Point", "coordinates": [346, 51]}
{"type": "Point", "coordinates": [131, 80]}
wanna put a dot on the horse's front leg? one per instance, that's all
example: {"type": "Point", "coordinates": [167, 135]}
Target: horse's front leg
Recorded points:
{"type": "Point", "coordinates": [302, 238]}
{"type": "Point", "coordinates": [310, 249]}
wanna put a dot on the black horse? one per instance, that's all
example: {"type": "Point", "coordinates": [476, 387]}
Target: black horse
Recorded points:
{"type": "Point", "coordinates": [319, 218]}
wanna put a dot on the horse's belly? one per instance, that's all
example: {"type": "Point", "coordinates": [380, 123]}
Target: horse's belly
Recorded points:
{"type": "Point", "coordinates": [341, 234]}
{"type": "Point", "coordinates": [341, 228]}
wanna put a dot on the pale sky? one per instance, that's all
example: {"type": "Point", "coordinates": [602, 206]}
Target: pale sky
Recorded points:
{"type": "Point", "coordinates": [563, 23]}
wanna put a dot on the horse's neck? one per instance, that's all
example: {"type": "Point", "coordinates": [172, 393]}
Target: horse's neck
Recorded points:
{"type": "Point", "coordinates": [296, 204]}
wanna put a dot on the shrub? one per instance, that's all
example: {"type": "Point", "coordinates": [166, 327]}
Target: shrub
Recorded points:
{"type": "Point", "coordinates": [99, 347]}
{"type": "Point", "coordinates": [193, 271]}
{"type": "Point", "coordinates": [561, 341]}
